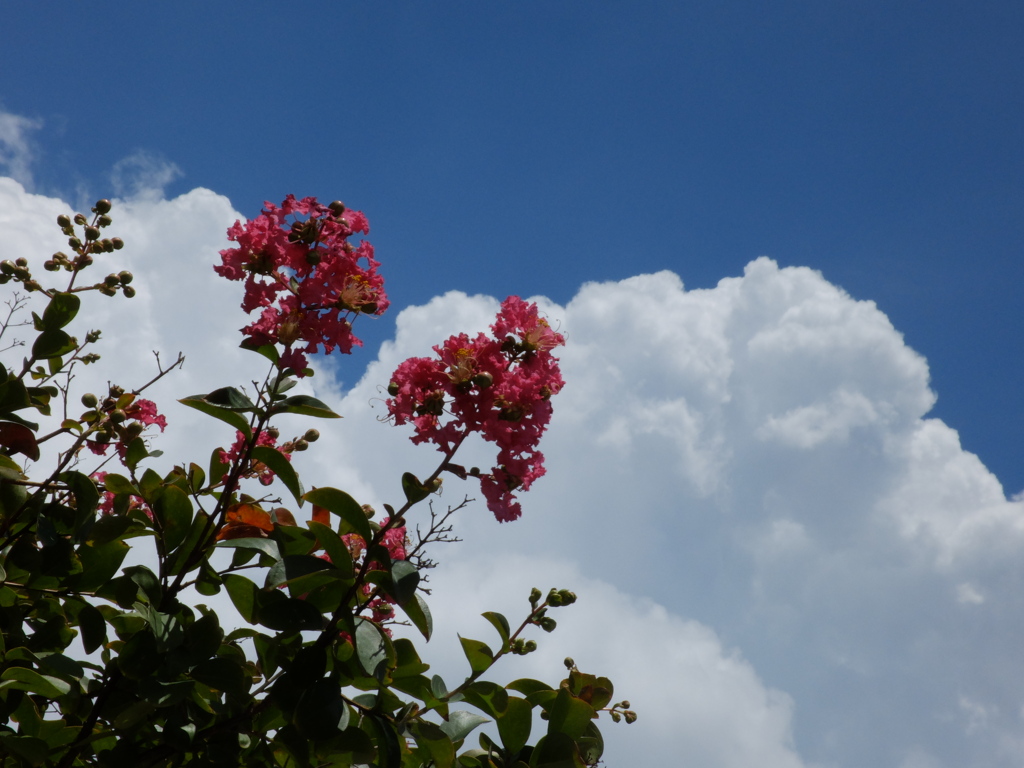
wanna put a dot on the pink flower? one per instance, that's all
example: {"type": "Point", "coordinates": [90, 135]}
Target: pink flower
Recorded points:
{"type": "Point", "coordinates": [499, 387]}
{"type": "Point", "coordinates": [257, 469]}
{"type": "Point", "coordinates": [307, 281]}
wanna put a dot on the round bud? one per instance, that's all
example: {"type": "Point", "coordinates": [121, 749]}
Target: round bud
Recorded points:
{"type": "Point", "coordinates": [111, 280]}
{"type": "Point", "coordinates": [63, 221]}
{"type": "Point", "coordinates": [483, 379]}
{"type": "Point", "coordinates": [117, 242]}
{"type": "Point", "coordinates": [50, 265]}
{"type": "Point", "coordinates": [102, 437]}
{"type": "Point", "coordinates": [5, 279]}
{"type": "Point", "coordinates": [624, 704]}
{"type": "Point", "coordinates": [74, 242]}
{"type": "Point", "coordinates": [133, 430]}
{"type": "Point", "coordinates": [80, 220]}
{"type": "Point", "coordinates": [7, 267]}
{"type": "Point", "coordinates": [569, 663]}
{"type": "Point", "coordinates": [102, 206]}
{"type": "Point", "coordinates": [534, 593]}
{"type": "Point", "coordinates": [311, 436]}
{"type": "Point", "coordinates": [548, 624]}
{"type": "Point", "coordinates": [92, 233]}
{"type": "Point", "coordinates": [337, 207]}
{"type": "Point", "coordinates": [32, 285]}
{"type": "Point", "coordinates": [118, 416]}
{"type": "Point", "coordinates": [301, 445]}
{"type": "Point", "coordinates": [92, 337]}
{"type": "Point", "coordinates": [104, 221]}
{"type": "Point", "coordinates": [115, 390]}
{"type": "Point", "coordinates": [21, 261]}
{"type": "Point", "coordinates": [393, 388]}
{"type": "Point", "coordinates": [83, 261]}
{"type": "Point", "coordinates": [89, 400]}
{"type": "Point", "coordinates": [128, 292]}
{"type": "Point", "coordinates": [273, 432]}
{"type": "Point", "coordinates": [530, 646]}
{"type": "Point", "coordinates": [125, 277]}
{"type": "Point", "coordinates": [313, 257]}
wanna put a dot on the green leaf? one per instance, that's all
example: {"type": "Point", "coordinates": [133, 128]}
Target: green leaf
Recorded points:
{"type": "Point", "coordinates": [500, 623]}
{"type": "Point", "coordinates": [99, 564]}
{"type": "Point", "coordinates": [515, 724]}
{"type": "Point", "coordinates": [480, 657]}
{"type": "Point", "coordinates": [292, 567]}
{"type": "Point", "coordinates": [235, 419]}
{"type": "Point", "coordinates": [222, 674]}
{"type": "Point", "coordinates": [435, 741]}
{"type": "Point", "coordinates": [487, 697]}
{"type": "Point", "coordinates": [93, 627]}
{"type": "Point", "coordinates": [320, 710]}
{"type": "Point", "coordinates": [287, 614]}
{"type": "Point", "coordinates": [343, 505]}
{"type": "Point", "coordinates": [569, 715]}
{"type": "Point", "coordinates": [269, 547]}
{"type": "Point", "coordinates": [419, 614]}
{"type": "Point", "coordinates": [231, 398]}
{"type": "Point", "coordinates": [336, 549]}
{"type": "Point", "coordinates": [415, 491]}
{"type": "Point", "coordinates": [173, 510]}
{"type": "Point", "coordinates": [243, 594]}
{"type": "Point", "coordinates": [60, 311]}
{"type": "Point", "coordinates": [370, 646]}
{"type": "Point", "coordinates": [135, 453]}
{"type": "Point", "coordinates": [305, 406]}
{"type": "Point", "coordinates": [405, 578]}
{"type": "Point", "coordinates": [119, 484]}
{"type": "Point", "coordinates": [32, 750]}
{"type": "Point", "coordinates": [52, 344]}
{"type": "Point", "coordinates": [147, 581]}
{"type": "Point", "coordinates": [461, 723]}
{"type": "Point", "coordinates": [24, 679]}
{"type": "Point", "coordinates": [281, 467]}
{"type": "Point", "coordinates": [269, 351]}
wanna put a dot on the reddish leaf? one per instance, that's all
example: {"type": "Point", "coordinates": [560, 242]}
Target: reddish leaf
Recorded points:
{"type": "Point", "coordinates": [19, 438]}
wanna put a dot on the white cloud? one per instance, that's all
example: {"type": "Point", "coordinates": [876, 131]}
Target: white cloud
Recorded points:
{"type": "Point", "coordinates": [742, 483]}
{"type": "Point", "coordinates": [143, 175]}
{"type": "Point", "coordinates": [16, 150]}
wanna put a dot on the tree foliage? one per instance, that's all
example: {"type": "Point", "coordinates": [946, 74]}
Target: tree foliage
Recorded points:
{"type": "Point", "coordinates": [107, 664]}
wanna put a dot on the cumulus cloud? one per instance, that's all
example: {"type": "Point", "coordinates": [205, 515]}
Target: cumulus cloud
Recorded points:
{"type": "Point", "coordinates": [143, 175]}
{"type": "Point", "coordinates": [781, 559]}
{"type": "Point", "coordinates": [16, 151]}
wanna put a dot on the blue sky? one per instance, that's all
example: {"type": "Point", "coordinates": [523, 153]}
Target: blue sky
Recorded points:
{"type": "Point", "coordinates": [823, 542]}
{"type": "Point", "coordinates": [528, 147]}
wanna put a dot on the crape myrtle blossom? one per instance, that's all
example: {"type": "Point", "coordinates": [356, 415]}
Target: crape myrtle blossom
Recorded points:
{"type": "Point", "coordinates": [498, 386]}
{"type": "Point", "coordinates": [307, 281]}
{"type": "Point", "coordinates": [261, 471]}
{"type": "Point", "coordinates": [125, 423]}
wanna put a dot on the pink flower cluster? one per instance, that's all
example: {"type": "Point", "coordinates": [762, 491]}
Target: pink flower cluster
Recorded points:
{"type": "Point", "coordinates": [499, 387]}
{"type": "Point", "coordinates": [138, 410]}
{"type": "Point", "coordinates": [306, 279]}
{"type": "Point", "coordinates": [257, 469]}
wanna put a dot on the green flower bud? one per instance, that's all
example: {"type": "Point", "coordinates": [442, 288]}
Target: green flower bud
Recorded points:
{"type": "Point", "coordinates": [128, 292]}
{"type": "Point", "coordinates": [548, 624]}
{"type": "Point", "coordinates": [89, 400]}
{"type": "Point", "coordinates": [111, 280]}
{"type": "Point", "coordinates": [337, 207]}
{"type": "Point", "coordinates": [393, 389]}
{"type": "Point", "coordinates": [50, 265]}
{"type": "Point", "coordinates": [102, 206]}
{"type": "Point", "coordinates": [92, 233]}
{"type": "Point", "coordinates": [74, 242]}
{"type": "Point", "coordinates": [102, 437]}
{"type": "Point", "coordinates": [630, 717]}
{"type": "Point", "coordinates": [569, 663]}
{"type": "Point", "coordinates": [80, 220]}
{"type": "Point", "coordinates": [21, 261]}
{"type": "Point", "coordinates": [92, 337]}
{"type": "Point", "coordinates": [301, 445]}
{"type": "Point", "coordinates": [63, 221]}
{"type": "Point", "coordinates": [311, 436]}
{"type": "Point", "coordinates": [118, 416]}
{"type": "Point", "coordinates": [534, 593]}
{"type": "Point", "coordinates": [104, 221]}
{"type": "Point", "coordinates": [530, 646]}
{"type": "Point", "coordinates": [274, 432]}
{"type": "Point", "coordinates": [117, 242]}
{"type": "Point", "coordinates": [7, 267]}
{"type": "Point", "coordinates": [125, 277]}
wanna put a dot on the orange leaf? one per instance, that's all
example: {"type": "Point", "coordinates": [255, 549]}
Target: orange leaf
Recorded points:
{"type": "Point", "coordinates": [321, 515]}
{"type": "Point", "coordinates": [284, 517]}
{"type": "Point", "coordinates": [249, 514]}
{"type": "Point", "coordinates": [240, 531]}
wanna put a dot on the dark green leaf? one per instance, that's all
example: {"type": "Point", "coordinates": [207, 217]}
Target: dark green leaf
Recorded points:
{"type": "Point", "coordinates": [287, 614]}
{"type": "Point", "coordinates": [235, 419]}
{"type": "Point", "coordinates": [461, 723]}
{"type": "Point", "coordinates": [269, 351]}
{"type": "Point", "coordinates": [24, 679]}
{"type": "Point", "coordinates": [99, 564]}
{"type": "Point", "coordinates": [415, 491]}
{"type": "Point", "coordinates": [343, 505]}
{"type": "Point", "coordinates": [370, 646]}
{"type": "Point", "coordinates": [268, 547]}
{"type": "Point", "coordinates": [222, 674]}
{"type": "Point", "coordinates": [419, 614]}
{"type": "Point", "coordinates": [243, 594]}
{"type": "Point", "coordinates": [336, 549]}
{"type": "Point", "coordinates": [231, 398]}
{"type": "Point", "coordinates": [487, 697]}
{"type": "Point", "coordinates": [500, 623]}
{"type": "Point", "coordinates": [514, 725]}
{"type": "Point", "coordinates": [405, 578]}
{"type": "Point", "coordinates": [294, 567]}
{"type": "Point", "coordinates": [60, 311]}
{"type": "Point", "coordinates": [480, 657]}
{"type": "Point", "coordinates": [305, 406]}
{"type": "Point", "coordinates": [93, 627]}
{"type": "Point", "coordinates": [52, 344]}
{"type": "Point", "coordinates": [147, 581]}
{"type": "Point", "coordinates": [174, 512]}
{"type": "Point", "coordinates": [281, 467]}
{"type": "Point", "coordinates": [135, 453]}
{"type": "Point", "coordinates": [320, 710]}
{"type": "Point", "coordinates": [119, 484]}
{"type": "Point", "coordinates": [569, 715]}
